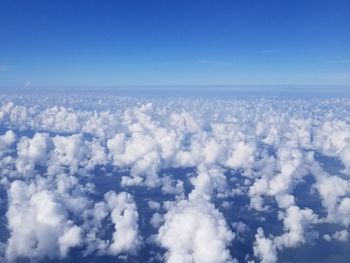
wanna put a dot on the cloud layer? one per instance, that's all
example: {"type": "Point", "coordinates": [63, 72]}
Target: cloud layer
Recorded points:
{"type": "Point", "coordinates": [105, 175]}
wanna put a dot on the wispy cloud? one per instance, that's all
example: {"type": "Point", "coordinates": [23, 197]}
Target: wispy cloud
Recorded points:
{"type": "Point", "coordinates": [213, 62]}
{"type": "Point", "coordinates": [28, 84]}
{"type": "Point", "coordinates": [270, 51]}
{"type": "Point", "coordinates": [4, 67]}
{"type": "Point", "coordinates": [337, 60]}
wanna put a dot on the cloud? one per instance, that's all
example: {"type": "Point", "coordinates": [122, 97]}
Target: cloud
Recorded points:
{"type": "Point", "coordinates": [295, 221]}
{"type": "Point", "coordinates": [94, 173]}
{"type": "Point", "coordinates": [337, 60]}
{"type": "Point", "coordinates": [6, 140]}
{"type": "Point", "coordinates": [4, 67]}
{"type": "Point", "coordinates": [194, 231]}
{"type": "Point", "coordinates": [32, 152]}
{"type": "Point", "coordinates": [28, 84]}
{"type": "Point", "coordinates": [38, 224]}
{"type": "Point", "coordinates": [264, 248]}
{"type": "Point", "coordinates": [270, 51]}
{"type": "Point", "coordinates": [125, 217]}
{"type": "Point", "coordinates": [212, 62]}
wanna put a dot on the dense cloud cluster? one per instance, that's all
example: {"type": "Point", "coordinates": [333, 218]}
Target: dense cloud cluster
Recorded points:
{"type": "Point", "coordinates": [86, 175]}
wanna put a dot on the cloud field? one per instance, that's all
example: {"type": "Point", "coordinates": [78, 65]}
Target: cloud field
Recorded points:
{"type": "Point", "coordinates": [123, 179]}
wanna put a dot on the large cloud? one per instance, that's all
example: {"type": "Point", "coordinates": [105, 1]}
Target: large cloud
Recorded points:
{"type": "Point", "coordinates": [194, 231]}
{"type": "Point", "coordinates": [38, 224]}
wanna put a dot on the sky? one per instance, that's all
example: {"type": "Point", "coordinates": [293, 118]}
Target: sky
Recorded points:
{"type": "Point", "coordinates": [173, 42]}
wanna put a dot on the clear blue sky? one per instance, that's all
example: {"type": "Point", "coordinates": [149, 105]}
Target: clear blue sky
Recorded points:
{"type": "Point", "coordinates": [174, 42]}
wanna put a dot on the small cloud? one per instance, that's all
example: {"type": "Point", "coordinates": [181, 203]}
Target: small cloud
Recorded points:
{"type": "Point", "coordinates": [203, 61]}
{"type": "Point", "coordinates": [270, 51]}
{"type": "Point", "coordinates": [212, 62]}
{"type": "Point", "coordinates": [337, 60]}
{"type": "Point", "coordinates": [4, 67]}
{"type": "Point", "coordinates": [28, 84]}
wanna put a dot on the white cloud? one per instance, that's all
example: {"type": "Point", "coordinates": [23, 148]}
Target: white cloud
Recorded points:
{"type": "Point", "coordinates": [295, 223]}
{"type": "Point", "coordinates": [270, 51]}
{"type": "Point", "coordinates": [55, 149]}
{"type": "Point", "coordinates": [3, 67]}
{"type": "Point", "coordinates": [38, 224]}
{"type": "Point", "coordinates": [6, 140]}
{"type": "Point", "coordinates": [32, 152]}
{"type": "Point", "coordinates": [264, 248]}
{"type": "Point", "coordinates": [125, 217]}
{"type": "Point", "coordinates": [194, 231]}
{"type": "Point", "coordinates": [154, 205]}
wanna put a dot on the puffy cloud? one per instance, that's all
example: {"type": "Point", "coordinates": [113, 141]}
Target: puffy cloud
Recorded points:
{"type": "Point", "coordinates": [332, 138]}
{"type": "Point", "coordinates": [125, 217]}
{"type": "Point", "coordinates": [46, 222]}
{"type": "Point", "coordinates": [60, 119]}
{"type": "Point", "coordinates": [101, 124]}
{"type": "Point", "coordinates": [241, 156]}
{"type": "Point", "coordinates": [38, 224]}
{"type": "Point", "coordinates": [140, 153]}
{"type": "Point", "coordinates": [15, 115]}
{"type": "Point", "coordinates": [341, 235]}
{"type": "Point", "coordinates": [279, 177]}
{"type": "Point", "coordinates": [70, 238]}
{"type": "Point", "coordinates": [295, 222]}
{"type": "Point", "coordinates": [264, 248]}
{"type": "Point", "coordinates": [56, 152]}
{"type": "Point", "coordinates": [6, 140]}
{"type": "Point", "coordinates": [207, 181]}
{"type": "Point", "coordinates": [68, 151]}
{"type": "Point", "coordinates": [156, 220]}
{"type": "Point", "coordinates": [334, 192]}
{"type": "Point", "coordinates": [194, 231]}
{"type": "Point", "coordinates": [154, 205]}
{"type": "Point", "coordinates": [119, 209]}
{"type": "Point", "coordinates": [31, 152]}
{"type": "Point", "coordinates": [76, 154]}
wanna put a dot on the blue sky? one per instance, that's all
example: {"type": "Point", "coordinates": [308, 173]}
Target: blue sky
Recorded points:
{"type": "Point", "coordinates": [174, 42]}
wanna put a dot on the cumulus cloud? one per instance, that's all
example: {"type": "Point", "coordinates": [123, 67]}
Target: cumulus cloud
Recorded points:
{"type": "Point", "coordinates": [38, 224]}
{"type": "Point", "coordinates": [295, 222]}
{"type": "Point", "coordinates": [6, 140]}
{"type": "Point", "coordinates": [31, 152]}
{"type": "Point", "coordinates": [264, 248]}
{"type": "Point", "coordinates": [194, 231]}
{"type": "Point", "coordinates": [125, 217]}
{"type": "Point", "coordinates": [90, 171]}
